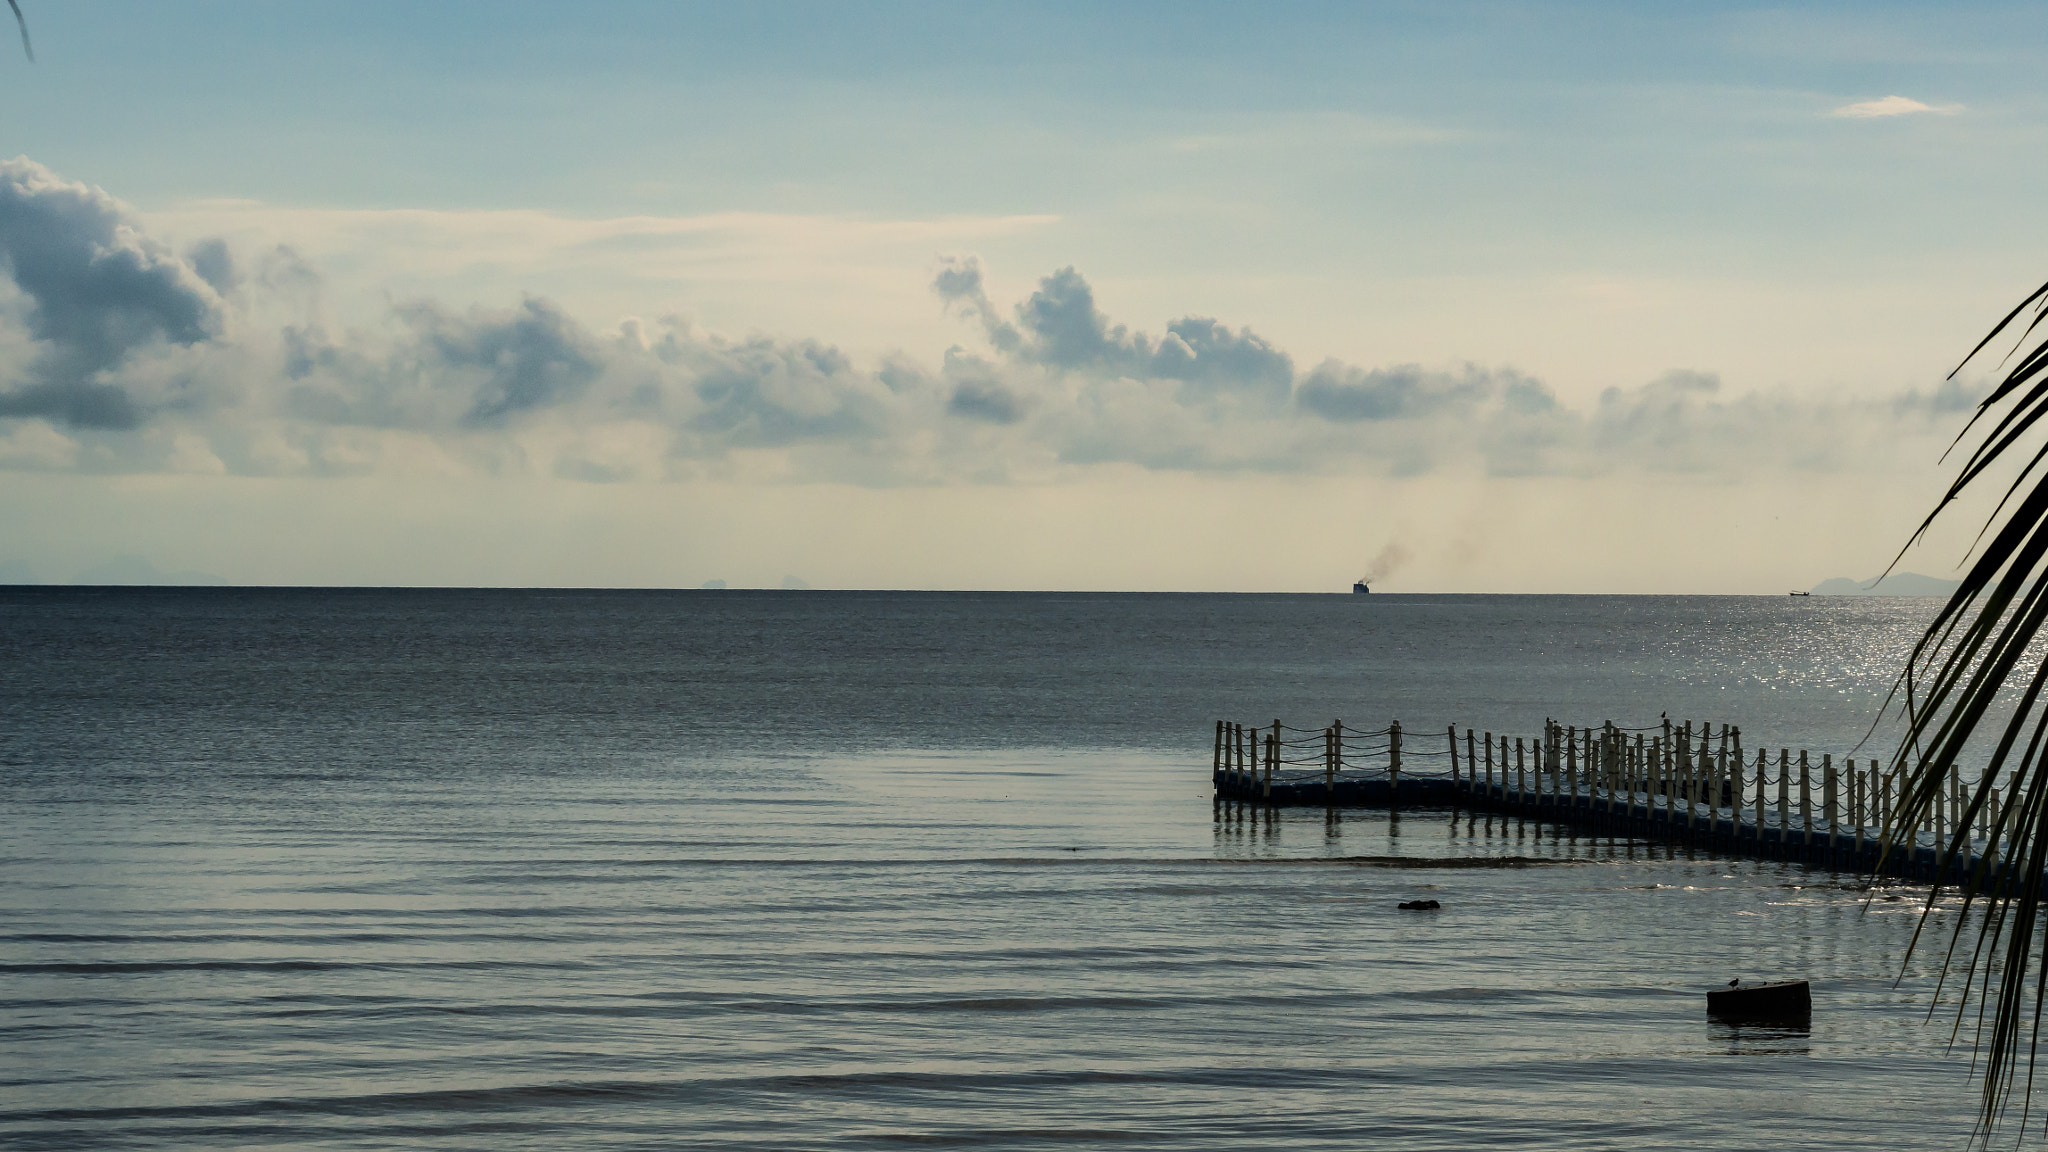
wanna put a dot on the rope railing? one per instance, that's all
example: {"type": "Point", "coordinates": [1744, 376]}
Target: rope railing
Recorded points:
{"type": "Point", "coordinates": [1670, 774]}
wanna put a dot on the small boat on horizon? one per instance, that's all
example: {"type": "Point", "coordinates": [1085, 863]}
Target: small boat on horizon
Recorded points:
{"type": "Point", "coordinates": [1799, 593]}
{"type": "Point", "coordinates": [1358, 587]}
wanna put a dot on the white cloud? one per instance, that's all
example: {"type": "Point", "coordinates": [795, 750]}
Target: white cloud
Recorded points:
{"type": "Point", "coordinates": [1058, 388]}
{"type": "Point", "coordinates": [1892, 106]}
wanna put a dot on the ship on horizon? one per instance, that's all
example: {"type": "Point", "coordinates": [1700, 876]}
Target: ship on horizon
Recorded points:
{"type": "Point", "coordinates": [1358, 587]}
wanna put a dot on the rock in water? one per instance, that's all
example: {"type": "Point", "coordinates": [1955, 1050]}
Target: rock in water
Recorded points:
{"type": "Point", "coordinates": [1780, 1000]}
{"type": "Point", "coordinates": [1420, 906]}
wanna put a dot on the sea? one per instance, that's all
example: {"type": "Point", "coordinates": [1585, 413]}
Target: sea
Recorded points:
{"type": "Point", "coordinates": [511, 869]}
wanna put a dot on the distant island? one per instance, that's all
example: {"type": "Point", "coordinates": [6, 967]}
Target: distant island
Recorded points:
{"type": "Point", "coordinates": [1896, 584]}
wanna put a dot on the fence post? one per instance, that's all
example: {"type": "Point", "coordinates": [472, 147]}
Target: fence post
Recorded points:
{"type": "Point", "coordinates": [1454, 757]}
{"type": "Point", "coordinates": [1272, 753]}
{"type": "Point", "coordinates": [1827, 796]}
{"type": "Point", "coordinates": [1805, 797]}
{"type": "Point", "coordinates": [1735, 796]}
{"type": "Point", "coordinates": [1330, 765]}
{"type": "Point", "coordinates": [1571, 778]}
{"type": "Point", "coordinates": [1955, 791]}
{"type": "Point", "coordinates": [1688, 772]}
{"type": "Point", "coordinates": [1940, 823]}
{"type": "Point", "coordinates": [1489, 763]}
{"type": "Point", "coordinates": [1551, 760]}
{"type": "Point", "coordinates": [1394, 761]}
{"type": "Point", "coordinates": [1521, 774]}
{"type": "Point", "coordinates": [1471, 763]}
{"type": "Point", "coordinates": [1856, 805]}
{"type": "Point", "coordinates": [1784, 796]}
{"type": "Point", "coordinates": [1706, 784]}
{"type": "Point", "coordinates": [1571, 761]}
{"type": "Point", "coordinates": [1763, 776]}
{"type": "Point", "coordinates": [1719, 786]}
{"type": "Point", "coordinates": [1216, 760]}
{"type": "Point", "coordinates": [1881, 796]}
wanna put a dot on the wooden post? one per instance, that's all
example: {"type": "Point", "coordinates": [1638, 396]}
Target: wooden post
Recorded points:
{"type": "Point", "coordinates": [1721, 772]}
{"type": "Point", "coordinates": [1571, 776]}
{"type": "Point", "coordinates": [1393, 761]}
{"type": "Point", "coordinates": [1940, 810]}
{"type": "Point", "coordinates": [1866, 807]}
{"type": "Point", "coordinates": [1643, 765]}
{"type": "Point", "coordinates": [1735, 796]}
{"type": "Point", "coordinates": [1689, 782]}
{"type": "Point", "coordinates": [1955, 791]}
{"type": "Point", "coordinates": [1827, 792]}
{"type": "Point", "coordinates": [1330, 765]}
{"type": "Point", "coordinates": [1471, 761]}
{"type": "Point", "coordinates": [1805, 797]}
{"type": "Point", "coordinates": [1688, 772]}
{"type": "Point", "coordinates": [1337, 745]}
{"type": "Point", "coordinates": [1735, 801]}
{"type": "Point", "coordinates": [1614, 757]}
{"type": "Point", "coordinates": [1216, 761]}
{"type": "Point", "coordinates": [1272, 755]}
{"type": "Point", "coordinates": [1709, 773]}
{"type": "Point", "coordinates": [1763, 775]}
{"type": "Point", "coordinates": [1551, 761]}
{"type": "Point", "coordinates": [1454, 755]}
{"type": "Point", "coordinates": [1571, 760]}
{"type": "Point", "coordinates": [1827, 795]}
{"type": "Point", "coordinates": [1521, 770]}
{"type": "Point", "coordinates": [1991, 836]}
{"type": "Point", "coordinates": [1654, 778]}
{"type": "Point", "coordinates": [1489, 763]}
{"type": "Point", "coordinates": [1784, 796]}
{"type": "Point", "coordinates": [1719, 786]}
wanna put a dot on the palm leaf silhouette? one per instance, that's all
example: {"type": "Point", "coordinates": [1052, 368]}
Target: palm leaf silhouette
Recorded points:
{"type": "Point", "coordinates": [1976, 668]}
{"type": "Point", "coordinates": [22, 23]}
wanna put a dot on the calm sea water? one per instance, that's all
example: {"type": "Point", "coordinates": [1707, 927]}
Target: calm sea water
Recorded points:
{"type": "Point", "coordinates": [491, 870]}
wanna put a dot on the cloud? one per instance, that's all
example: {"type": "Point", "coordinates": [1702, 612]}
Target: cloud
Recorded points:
{"type": "Point", "coordinates": [1346, 394]}
{"type": "Point", "coordinates": [96, 290]}
{"type": "Point", "coordinates": [1892, 106]}
{"type": "Point", "coordinates": [1061, 327]}
{"type": "Point", "coordinates": [120, 354]}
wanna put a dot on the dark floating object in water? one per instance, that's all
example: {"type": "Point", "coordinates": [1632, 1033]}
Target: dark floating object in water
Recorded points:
{"type": "Point", "coordinates": [1420, 906]}
{"type": "Point", "coordinates": [1780, 1000]}
{"type": "Point", "coordinates": [1358, 588]}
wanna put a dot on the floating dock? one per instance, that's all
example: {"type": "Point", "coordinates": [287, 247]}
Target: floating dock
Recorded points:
{"type": "Point", "coordinates": [1662, 782]}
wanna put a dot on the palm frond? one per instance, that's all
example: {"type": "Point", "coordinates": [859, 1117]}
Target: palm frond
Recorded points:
{"type": "Point", "coordinates": [1976, 671]}
{"type": "Point", "coordinates": [21, 22]}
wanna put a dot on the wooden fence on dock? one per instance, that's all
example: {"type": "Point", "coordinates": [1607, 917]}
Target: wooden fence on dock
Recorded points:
{"type": "Point", "coordinates": [1667, 781]}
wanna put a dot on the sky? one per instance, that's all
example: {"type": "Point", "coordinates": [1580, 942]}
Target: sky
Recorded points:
{"type": "Point", "coordinates": [1464, 297]}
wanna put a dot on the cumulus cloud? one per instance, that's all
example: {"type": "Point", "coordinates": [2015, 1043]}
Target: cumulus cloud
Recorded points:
{"type": "Point", "coordinates": [93, 290]}
{"type": "Point", "coordinates": [118, 353]}
{"type": "Point", "coordinates": [1892, 106]}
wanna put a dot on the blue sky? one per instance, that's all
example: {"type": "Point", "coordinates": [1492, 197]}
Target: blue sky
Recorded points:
{"type": "Point", "coordinates": [1592, 204]}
